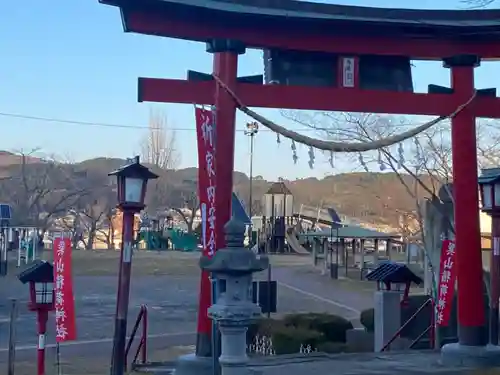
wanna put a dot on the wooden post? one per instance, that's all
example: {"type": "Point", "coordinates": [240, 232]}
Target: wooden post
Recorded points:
{"type": "Point", "coordinates": [362, 258]}
{"type": "Point", "coordinates": [12, 337]}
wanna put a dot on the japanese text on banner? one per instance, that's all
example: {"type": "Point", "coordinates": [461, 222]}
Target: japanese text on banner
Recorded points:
{"type": "Point", "coordinates": [446, 283]}
{"type": "Point", "coordinates": [206, 178]}
{"type": "Point", "coordinates": [63, 291]}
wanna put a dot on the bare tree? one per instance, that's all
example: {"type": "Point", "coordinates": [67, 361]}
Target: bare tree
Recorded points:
{"type": "Point", "coordinates": [89, 218]}
{"type": "Point", "coordinates": [159, 147]}
{"type": "Point", "coordinates": [188, 212]}
{"type": "Point", "coordinates": [41, 189]}
{"type": "Point", "coordinates": [190, 201]}
{"type": "Point", "coordinates": [94, 218]}
{"type": "Point", "coordinates": [422, 165]}
{"type": "Point", "coordinates": [107, 228]}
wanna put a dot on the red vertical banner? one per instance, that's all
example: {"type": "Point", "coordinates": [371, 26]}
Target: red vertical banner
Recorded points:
{"type": "Point", "coordinates": [64, 300]}
{"type": "Point", "coordinates": [205, 130]}
{"type": "Point", "coordinates": [446, 283]}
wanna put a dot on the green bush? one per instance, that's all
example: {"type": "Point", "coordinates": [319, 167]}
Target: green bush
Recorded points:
{"type": "Point", "coordinates": [262, 327]}
{"type": "Point", "coordinates": [324, 332]}
{"type": "Point", "coordinates": [288, 340]}
{"type": "Point", "coordinates": [333, 327]}
{"type": "Point", "coordinates": [367, 319]}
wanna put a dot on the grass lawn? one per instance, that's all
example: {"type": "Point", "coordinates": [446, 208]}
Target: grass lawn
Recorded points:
{"type": "Point", "coordinates": [148, 263]}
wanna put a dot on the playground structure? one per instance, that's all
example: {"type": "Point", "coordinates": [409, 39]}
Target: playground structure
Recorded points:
{"type": "Point", "coordinates": [292, 240]}
{"type": "Point", "coordinates": [277, 218]}
{"type": "Point", "coordinates": [151, 236]}
{"type": "Point", "coordinates": [159, 234]}
{"type": "Point", "coordinates": [27, 241]}
{"type": "Point", "coordinates": [280, 229]}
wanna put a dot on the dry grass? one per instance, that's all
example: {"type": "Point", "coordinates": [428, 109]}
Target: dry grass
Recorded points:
{"type": "Point", "coordinates": [152, 263]}
{"type": "Point", "coordinates": [145, 263]}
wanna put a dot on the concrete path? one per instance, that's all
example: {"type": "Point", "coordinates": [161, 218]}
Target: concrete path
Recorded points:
{"type": "Point", "coordinates": [345, 295]}
{"type": "Point", "coordinates": [390, 363]}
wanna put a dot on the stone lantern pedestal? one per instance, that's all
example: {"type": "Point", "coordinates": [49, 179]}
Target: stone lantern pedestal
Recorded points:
{"type": "Point", "coordinates": [234, 310]}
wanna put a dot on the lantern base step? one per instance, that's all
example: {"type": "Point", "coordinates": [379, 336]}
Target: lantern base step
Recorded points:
{"type": "Point", "coordinates": [463, 355]}
{"type": "Point", "coordinates": [192, 364]}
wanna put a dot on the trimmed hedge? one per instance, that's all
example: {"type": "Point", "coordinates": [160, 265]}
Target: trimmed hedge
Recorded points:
{"type": "Point", "coordinates": [323, 332]}
{"type": "Point", "coordinates": [333, 327]}
{"type": "Point", "coordinates": [288, 340]}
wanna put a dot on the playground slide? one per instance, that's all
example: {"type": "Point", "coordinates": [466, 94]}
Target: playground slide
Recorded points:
{"type": "Point", "coordinates": [293, 242]}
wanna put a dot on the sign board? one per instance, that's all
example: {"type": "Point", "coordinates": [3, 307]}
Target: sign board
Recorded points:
{"type": "Point", "coordinates": [348, 66]}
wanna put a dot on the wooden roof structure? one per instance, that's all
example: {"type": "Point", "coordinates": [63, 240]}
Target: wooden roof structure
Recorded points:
{"type": "Point", "coordinates": [462, 24]}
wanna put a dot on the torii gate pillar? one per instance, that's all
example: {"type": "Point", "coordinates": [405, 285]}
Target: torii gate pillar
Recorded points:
{"type": "Point", "coordinates": [472, 333]}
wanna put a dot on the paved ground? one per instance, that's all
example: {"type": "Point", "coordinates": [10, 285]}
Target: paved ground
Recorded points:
{"type": "Point", "coordinates": [395, 363]}
{"type": "Point", "coordinates": [172, 304]}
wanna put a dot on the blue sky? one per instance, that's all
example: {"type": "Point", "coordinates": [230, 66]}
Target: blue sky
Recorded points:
{"type": "Point", "coordinates": [70, 59]}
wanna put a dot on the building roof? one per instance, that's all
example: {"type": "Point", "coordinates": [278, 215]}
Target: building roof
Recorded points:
{"type": "Point", "coordinates": [350, 232]}
{"type": "Point", "coordinates": [455, 23]}
{"type": "Point", "coordinates": [279, 188]}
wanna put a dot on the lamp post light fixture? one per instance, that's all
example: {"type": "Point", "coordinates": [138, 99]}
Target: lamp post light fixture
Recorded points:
{"type": "Point", "coordinates": [251, 130]}
{"type": "Point", "coordinates": [40, 277]}
{"type": "Point", "coordinates": [131, 182]}
{"type": "Point", "coordinates": [489, 183]}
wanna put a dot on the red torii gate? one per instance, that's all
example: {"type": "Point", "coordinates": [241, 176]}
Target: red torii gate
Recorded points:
{"type": "Point", "coordinates": [459, 38]}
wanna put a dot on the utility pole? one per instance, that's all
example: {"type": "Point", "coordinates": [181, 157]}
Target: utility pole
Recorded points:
{"type": "Point", "coordinates": [251, 130]}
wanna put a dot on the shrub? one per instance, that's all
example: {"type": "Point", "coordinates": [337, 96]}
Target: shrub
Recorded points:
{"type": "Point", "coordinates": [288, 340]}
{"type": "Point", "coordinates": [333, 327]}
{"type": "Point", "coordinates": [367, 319]}
{"type": "Point", "coordinates": [262, 327]}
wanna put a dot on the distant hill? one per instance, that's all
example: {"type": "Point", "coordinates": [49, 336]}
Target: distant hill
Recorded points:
{"type": "Point", "coordinates": [371, 197]}
{"type": "Point", "coordinates": [9, 158]}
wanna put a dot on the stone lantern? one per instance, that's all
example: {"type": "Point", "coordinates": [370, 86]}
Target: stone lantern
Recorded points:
{"type": "Point", "coordinates": [234, 310]}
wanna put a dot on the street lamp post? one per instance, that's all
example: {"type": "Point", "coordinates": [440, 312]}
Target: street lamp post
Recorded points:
{"type": "Point", "coordinates": [251, 130]}
{"type": "Point", "coordinates": [489, 182]}
{"type": "Point", "coordinates": [131, 185]}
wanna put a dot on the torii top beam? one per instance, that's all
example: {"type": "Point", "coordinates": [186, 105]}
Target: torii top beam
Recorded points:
{"type": "Point", "coordinates": [307, 26]}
